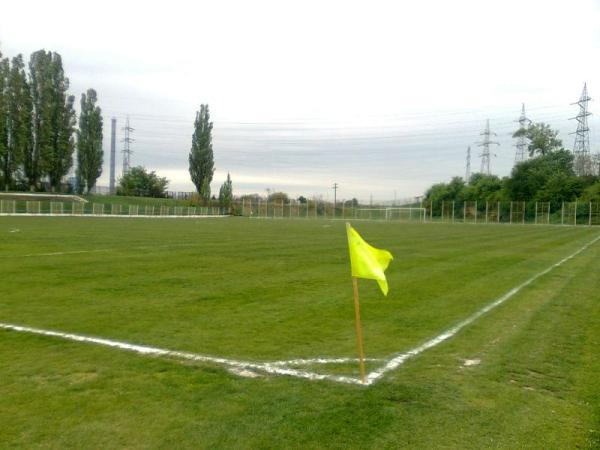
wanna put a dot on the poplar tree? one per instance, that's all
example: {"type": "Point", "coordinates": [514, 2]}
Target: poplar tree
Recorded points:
{"type": "Point", "coordinates": [58, 158]}
{"type": "Point", "coordinates": [201, 163]}
{"type": "Point", "coordinates": [53, 121]}
{"type": "Point", "coordinates": [18, 123]}
{"type": "Point", "coordinates": [4, 70]}
{"type": "Point", "coordinates": [89, 142]}
{"type": "Point", "coordinates": [61, 156]}
{"type": "Point", "coordinates": [39, 63]}
{"type": "Point", "coordinates": [226, 192]}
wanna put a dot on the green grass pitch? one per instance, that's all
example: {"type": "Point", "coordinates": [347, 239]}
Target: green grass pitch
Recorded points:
{"type": "Point", "coordinates": [266, 290]}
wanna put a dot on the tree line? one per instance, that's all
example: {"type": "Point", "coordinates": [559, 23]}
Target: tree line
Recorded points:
{"type": "Point", "coordinates": [39, 133]}
{"type": "Point", "coordinates": [38, 126]}
{"type": "Point", "coordinates": [547, 176]}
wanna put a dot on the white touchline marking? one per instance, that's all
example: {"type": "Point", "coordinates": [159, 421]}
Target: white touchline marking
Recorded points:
{"type": "Point", "coordinates": [400, 359]}
{"type": "Point", "coordinates": [264, 367]}
{"type": "Point", "coordinates": [279, 367]}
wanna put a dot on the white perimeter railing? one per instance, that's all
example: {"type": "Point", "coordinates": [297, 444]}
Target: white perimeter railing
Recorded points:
{"type": "Point", "coordinates": [54, 208]}
{"type": "Point", "coordinates": [475, 212]}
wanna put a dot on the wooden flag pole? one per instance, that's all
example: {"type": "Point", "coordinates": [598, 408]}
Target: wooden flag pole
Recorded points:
{"type": "Point", "coordinates": [359, 339]}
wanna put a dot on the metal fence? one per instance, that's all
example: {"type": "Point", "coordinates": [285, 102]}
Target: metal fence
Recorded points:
{"type": "Point", "coordinates": [53, 208]}
{"type": "Point", "coordinates": [312, 209]}
{"type": "Point", "coordinates": [473, 212]}
{"type": "Point", "coordinates": [515, 212]}
{"type": "Point", "coordinates": [177, 195]}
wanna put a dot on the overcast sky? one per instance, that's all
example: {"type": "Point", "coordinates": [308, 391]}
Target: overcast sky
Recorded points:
{"type": "Point", "coordinates": [380, 97]}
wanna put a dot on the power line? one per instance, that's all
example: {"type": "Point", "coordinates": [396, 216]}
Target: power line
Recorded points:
{"type": "Point", "coordinates": [300, 120]}
{"type": "Point", "coordinates": [312, 137]}
{"type": "Point", "coordinates": [302, 138]}
{"type": "Point", "coordinates": [299, 134]}
{"type": "Point", "coordinates": [303, 125]}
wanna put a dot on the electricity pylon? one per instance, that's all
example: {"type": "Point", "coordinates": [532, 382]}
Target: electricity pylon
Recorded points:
{"type": "Point", "coordinates": [126, 148]}
{"type": "Point", "coordinates": [581, 147]}
{"type": "Point", "coordinates": [485, 154]}
{"type": "Point", "coordinates": [524, 122]}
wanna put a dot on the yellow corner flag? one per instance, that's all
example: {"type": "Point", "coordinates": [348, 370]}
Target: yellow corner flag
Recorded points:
{"type": "Point", "coordinates": [366, 261]}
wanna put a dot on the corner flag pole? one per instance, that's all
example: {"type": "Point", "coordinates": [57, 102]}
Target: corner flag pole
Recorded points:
{"type": "Point", "coordinates": [365, 262]}
{"type": "Point", "coordinates": [359, 339]}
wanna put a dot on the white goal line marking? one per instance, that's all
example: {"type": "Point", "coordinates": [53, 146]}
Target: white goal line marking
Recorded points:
{"type": "Point", "coordinates": [282, 367]}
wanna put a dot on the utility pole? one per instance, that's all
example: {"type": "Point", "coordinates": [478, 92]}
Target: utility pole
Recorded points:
{"type": "Point", "coordinates": [521, 144]}
{"type": "Point", "coordinates": [126, 149]}
{"type": "Point", "coordinates": [581, 147]}
{"type": "Point", "coordinates": [335, 188]}
{"type": "Point", "coordinates": [485, 154]}
{"type": "Point", "coordinates": [113, 144]}
{"type": "Point", "coordinates": [468, 171]}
